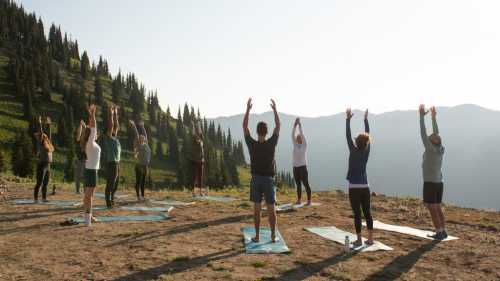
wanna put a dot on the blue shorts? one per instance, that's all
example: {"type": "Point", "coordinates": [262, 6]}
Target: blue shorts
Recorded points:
{"type": "Point", "coordinates": [261, 186]}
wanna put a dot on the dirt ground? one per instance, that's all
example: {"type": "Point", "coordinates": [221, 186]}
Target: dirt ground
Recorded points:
{"type": "Point", "coordinates": [204, 242]}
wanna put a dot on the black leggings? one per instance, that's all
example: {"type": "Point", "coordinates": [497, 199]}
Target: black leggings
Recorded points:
{"type": "Point", "coordinates": [141, 171]}
{"type": "Point", "coordinates": [112, 175]}
{"type": "Point", "coordinates": [42, 179]}
{"type": "Point", "coordinates": [360, 199]}
{"type": "Point", "coordinates": [301, 176]}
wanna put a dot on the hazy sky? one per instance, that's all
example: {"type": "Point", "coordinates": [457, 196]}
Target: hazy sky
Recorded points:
{"type": "Point", "coordinates": [314, 57]}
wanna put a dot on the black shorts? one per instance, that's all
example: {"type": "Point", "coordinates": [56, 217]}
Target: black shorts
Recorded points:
{"type": "Point", "coordinates": [433, 192]}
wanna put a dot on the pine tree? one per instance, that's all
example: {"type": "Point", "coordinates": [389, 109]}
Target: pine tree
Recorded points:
{"type": "Point", "coordinates": [85, 65]}
{"type": "Point", "coordinates": [3, 164]}
{"type": "Point", "coordinates": [22, 156]}
{"type": "Point", "coordinates": [98, 91]}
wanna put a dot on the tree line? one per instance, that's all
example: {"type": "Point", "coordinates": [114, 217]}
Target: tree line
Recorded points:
{"type": "Point", "coordinates": [43, 68]}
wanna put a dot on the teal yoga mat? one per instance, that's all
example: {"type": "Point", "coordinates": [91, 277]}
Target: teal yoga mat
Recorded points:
{"type": "Point", "coordinates": [224, 199]}
{"type": "Point", "coordinates": [51, 202]}
{"type": "Point", "coordinates": [102, 195]}
{"type": "Point", "coordinates": [265, 246]}
{"type": "Point", "coordinates": [169, 202]}
{"type": "Point", "coordinates": [146, 209]}
{"type": "Point", "coordinates": [125, 218]}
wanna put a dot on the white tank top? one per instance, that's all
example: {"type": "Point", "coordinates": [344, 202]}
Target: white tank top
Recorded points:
{"type": "Point", "coordinates": [93, 151]}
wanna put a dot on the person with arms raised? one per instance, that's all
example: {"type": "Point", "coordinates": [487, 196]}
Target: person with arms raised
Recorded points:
{"type": "Point", "coordinates": [45, 149]}
{"type": "Point", "coordinates": [198, 159]}
{"type": "Point", "coordinates": [432, 174]}
{"type": "Point", "coordinates": [300, 173]}
{"type": "Point", "coordinates": [142, 153]}
{"type": "Point", "coordinates": [263, 169]}
{"type": "Point", "coordinates": [359, 188]}
{"type": "Point", "coordinates": [112, 152]}
{"type": "Point", "coordinates": [92, 162]}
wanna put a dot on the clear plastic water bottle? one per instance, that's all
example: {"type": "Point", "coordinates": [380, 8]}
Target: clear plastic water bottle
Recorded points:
{"type": "Point", "coordinates": [347, 245]}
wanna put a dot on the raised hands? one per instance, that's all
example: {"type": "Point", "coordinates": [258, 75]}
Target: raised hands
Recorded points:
{"type": "Point", "coordinates": [348, 113]}
{"type": "Point", "coordinates": [366, 114]}
{"type": "Point", "coordinates": [422, 110]}
{"type": "Point", "coordinates": [249, 104]}
{"type": "Point", "coordinates": [297, 122]}
{"type": "Point", "coordinates": [433, 112]}
{"type": "Point", "coordinates": [273, 105]}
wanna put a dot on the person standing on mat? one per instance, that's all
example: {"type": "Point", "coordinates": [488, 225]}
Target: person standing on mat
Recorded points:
{"type": "Point", "coordinates": [263, 169]}
{"type": "Point", "coordinates": [142, 152]}
{"type": "Point", "coordinates": [92, 161]}
{"type": "Point", "coordinates": [300, 173]}
{"type": "Point", "coordinates": [431, 168]}
{"type": "Point", "coordinates": [359, 188]}
{"type": "Point", "coordinates": [112, 151]}
{"type": "Point", "coordinates": [80, 156]}
{"type": "Point", "coordinates": [198, 159]}
{"type": "Point", "coordinates": [45, 149]}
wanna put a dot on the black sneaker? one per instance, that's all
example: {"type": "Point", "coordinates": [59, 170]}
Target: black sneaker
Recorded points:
{"type": "Point", "coordinates": [444, 235]}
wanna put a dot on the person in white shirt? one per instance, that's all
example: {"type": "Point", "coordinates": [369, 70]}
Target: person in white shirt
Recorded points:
{"type": "Point", "coordinates": [92, 158]}
{"type": "Point", "coordinates": [300, 173]}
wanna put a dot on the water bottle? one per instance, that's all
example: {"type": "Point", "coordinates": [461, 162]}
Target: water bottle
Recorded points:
{"type": "Point", "coordinates": [347, 245]}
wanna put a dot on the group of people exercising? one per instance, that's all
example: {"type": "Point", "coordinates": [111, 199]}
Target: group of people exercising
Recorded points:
{"type": "Point", "coordinates": [263, 169]}
{"type": "Point", "coordinates": [262, 159]}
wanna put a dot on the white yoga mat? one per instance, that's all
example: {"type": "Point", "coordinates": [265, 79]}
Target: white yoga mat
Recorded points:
{"type": "Point", "coordinates": [407, 230]}
{"type": "Point", "coordinates": [291, 207]}
{"type": "Point", "coordinates": [338, 235]}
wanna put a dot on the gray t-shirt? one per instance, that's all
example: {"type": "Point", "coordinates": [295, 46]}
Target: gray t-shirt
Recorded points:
{"type": "Point", "coordinates": [432, 159]}
{"type": "Point", "coordinates": [144, 154]}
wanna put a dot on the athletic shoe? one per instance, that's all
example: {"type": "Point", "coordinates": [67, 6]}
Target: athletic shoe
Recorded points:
{"type": "Point", "coordinates": [435, 235]}
{"type": "Point", "coordinates": [444, 235]}
{"type": "Point", "coordinates": [35, 201]}
{"type": "Point", "coordinates": [88, 220]}
{"type": "Point", "coordinates": [45, 200]}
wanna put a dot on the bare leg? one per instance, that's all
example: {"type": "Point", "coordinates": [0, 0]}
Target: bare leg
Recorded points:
{"type": "Point", "coordinates": [256, 217]}
{"type": "Point", "coordinates": [440, 215]}
{"type": "Point", "coordinates": [271, 210]}
{"type": "Point", "coordinates": [370, 237]}
{"type": "Point", "coordinates": [435, 220]}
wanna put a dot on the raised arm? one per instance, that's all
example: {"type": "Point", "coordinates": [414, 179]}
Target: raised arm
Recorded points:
{"type": "Point", "coordinates": [304, 141]}
{"type": "Point", "coordinates": [135, 132]}
{"type": "Point", "coordinates": [277, 121]}
{"type": "Point", "coordinates": [435, 128]}
{"type": "Point", "coordinates": [92, 124]}
{"type": "Point", "coordinates": [143, 131]}
{"type": "Point", "coordinates": [110, 125]}
{"type": "Point", "coordinates": [79, 131]}
{"type": "Point", "coordinates": [348, 135]}
{"type": "Point", "coordinates": [294, 131]}
{"type": "Point", "coordinates": [367, 125]}
{"type": "Point", "coordinates": [423, 130]}
{"type": "Point", "coordinates": [116, 124]}
{"type": "Point", "coordinates": [246, 131]}
{"type": "Point", "coordinates": [48, 130]}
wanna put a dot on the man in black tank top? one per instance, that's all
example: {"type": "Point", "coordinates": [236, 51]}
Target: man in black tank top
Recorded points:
{"type": "Point", "coordinates": [263, 168]}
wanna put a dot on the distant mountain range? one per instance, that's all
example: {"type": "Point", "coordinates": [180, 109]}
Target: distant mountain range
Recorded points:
{"type": "Point", "coordinates": [471, 135]}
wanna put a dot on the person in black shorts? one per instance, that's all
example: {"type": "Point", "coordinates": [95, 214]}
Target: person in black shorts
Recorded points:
{"type": "Point", "coordinates": [263, 169]}
{"type": "Point", "coordinates": [432, 174]}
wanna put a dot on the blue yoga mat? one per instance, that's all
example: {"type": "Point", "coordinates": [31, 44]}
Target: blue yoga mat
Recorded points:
{"type": "Point", "coordinates": [146, 209]}
{"type": "Point", "coordinates": [102, 195]}
{"type": "Point", "coordinates": [125, 218]}
{"type": "Point", "coordinates": [224, 199]}
{"type": "Point", "coordinates": [172, 203]}
{"type": "Point", "coordinates": [52, 202]}
{"type": "Point", "coordinates": [265, 246]}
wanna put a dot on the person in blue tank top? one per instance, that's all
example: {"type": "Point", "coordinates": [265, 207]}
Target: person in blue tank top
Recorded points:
{"type": "Point", "coordinates": [112, 152]}
{"type": "Point", "coordinates": [359, 188]}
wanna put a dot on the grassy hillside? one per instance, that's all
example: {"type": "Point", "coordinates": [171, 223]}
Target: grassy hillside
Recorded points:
{"type": "Point", "coordinates": [12, 121]}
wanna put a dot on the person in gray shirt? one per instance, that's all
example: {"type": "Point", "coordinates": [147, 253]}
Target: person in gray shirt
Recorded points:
{"type": "Point", "coordinates": [432, 174]}
{"type": "Point", "coordinates": [44, 149]}
{"type": "Point", "coordinates": [142, 152]}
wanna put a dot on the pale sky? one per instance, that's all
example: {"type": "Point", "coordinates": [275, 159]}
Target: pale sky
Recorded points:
{"type": "Point", "coordinates": [314, 57]}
